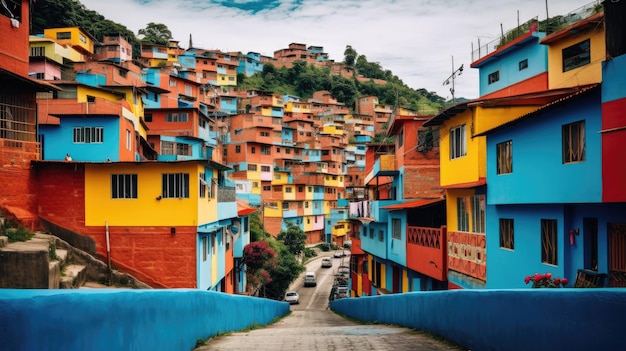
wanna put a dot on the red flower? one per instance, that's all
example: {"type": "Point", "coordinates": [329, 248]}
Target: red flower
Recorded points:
{"type": "Point", "coordinates": [557, 281]}
{"type": "Point", "coordinates": [527, 279]}
{"type": "Point", "coordinates": [538, 277]}
{"type": "Point", "coordinates": [564, 281]}
{"type": "Point", "coordinates": [548, 276]}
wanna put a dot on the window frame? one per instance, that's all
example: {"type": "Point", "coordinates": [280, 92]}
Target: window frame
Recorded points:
{"type": "Point", "coordinates": [396, 228]}
{"type": "Point", "coordinates": [549, 242]}
{"type": "Point", "coordinates": [175, 185]}
{"type": "Point", "coordinates": [458, 142]}
{"type": "Point", "coordinates": [578, 55]}
{"type": "Point", "coordinates": [570, 133]}
{"type": "Point", "coordinates": [493, 77]}
{"type": "Point", "coordinates": [127, 188]}
{"type": "Point", "coordinates": [504, 157]}
{"type": "Point", "coordinates": [507, 233]}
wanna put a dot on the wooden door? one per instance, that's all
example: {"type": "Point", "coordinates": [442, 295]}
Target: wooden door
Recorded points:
{"type": "Point", "coordinates": [617, 255]}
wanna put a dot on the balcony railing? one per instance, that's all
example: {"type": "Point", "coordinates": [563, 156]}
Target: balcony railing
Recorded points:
{"type": "Point", "coordinates": [427, 249]}
{"type": "Point", "coordinates": [226, 194]}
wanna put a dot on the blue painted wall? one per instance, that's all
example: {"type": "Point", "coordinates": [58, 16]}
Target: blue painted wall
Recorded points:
{"type": "Point", "coordinates": [539, 175]}
{"type": "Point", "coordinates": [524, 319]}
{"type": "Point", "coordinates": [508, 65]}
{"type": "Point", "coordinates": [371, 244]}
{"type": "Point", "coordinates": [397, 248]}
{"type": "Point", "coordinates": [513, 265]}
{"type": "Point", "coordinates": [613, 73]}
{"type": "Point", "coordinates": [59, 140]}
{"type": "Point", "coordinates": [118, 319]}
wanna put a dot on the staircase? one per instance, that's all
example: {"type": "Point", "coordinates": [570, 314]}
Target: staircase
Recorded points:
{"type": "Point", "coordinates": [47, 262]}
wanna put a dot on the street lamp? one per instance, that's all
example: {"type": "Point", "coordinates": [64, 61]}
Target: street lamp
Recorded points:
{"type": "Point", "coordinates": [452, 77]}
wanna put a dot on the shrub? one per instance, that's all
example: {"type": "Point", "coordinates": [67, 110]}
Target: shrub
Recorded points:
{"type": "Point", "coordinates": [546, 281]}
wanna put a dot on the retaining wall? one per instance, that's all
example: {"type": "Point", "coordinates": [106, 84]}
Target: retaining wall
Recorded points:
{"type": "Point", "coordinates": [119, 319]}
{"type": "Point", "coordinates": [523, 319]}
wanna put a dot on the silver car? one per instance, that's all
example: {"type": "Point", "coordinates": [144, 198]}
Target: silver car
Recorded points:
{"type": "Point", "coordinates": [292, 297]}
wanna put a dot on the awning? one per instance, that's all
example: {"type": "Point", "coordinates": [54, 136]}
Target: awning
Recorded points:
{"type": "Point", "coordinates": [413, 204]}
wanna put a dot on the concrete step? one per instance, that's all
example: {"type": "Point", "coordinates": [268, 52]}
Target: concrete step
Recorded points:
{"type": "Point", "coordinates": [4, 241]}
{"type": "Point", "coordinates": [54, 274]}
{"type": "Point", "coordinates": [61, 254]}
{"type": "Point", "coordinates": [74, 276]}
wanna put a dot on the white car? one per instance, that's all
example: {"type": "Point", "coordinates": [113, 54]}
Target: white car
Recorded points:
{"type": "Point", "coordinates": [292, 297]}
{"type": "Point", "coordinates": [326, 262]}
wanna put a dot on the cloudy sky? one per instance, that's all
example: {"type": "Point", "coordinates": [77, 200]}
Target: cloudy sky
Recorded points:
{"type": "Point", "coordinates": [416, 39]}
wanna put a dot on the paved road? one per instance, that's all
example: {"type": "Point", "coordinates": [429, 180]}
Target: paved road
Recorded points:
{"type": "Point", "coordinates": [312, 326]}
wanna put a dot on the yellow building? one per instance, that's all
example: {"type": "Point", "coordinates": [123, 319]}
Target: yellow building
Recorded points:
{"type": "Point", "coordinates": [576, 53]}
{"type": "Point", "coordinates": [75, 37]}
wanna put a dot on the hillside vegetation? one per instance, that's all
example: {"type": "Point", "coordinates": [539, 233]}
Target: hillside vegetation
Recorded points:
{"type": "Point", "coordinates": [300, 80]}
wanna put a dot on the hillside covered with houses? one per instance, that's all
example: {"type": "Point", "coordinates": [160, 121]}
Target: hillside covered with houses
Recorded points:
{"type": "Point", "coordinates": [155, 156]}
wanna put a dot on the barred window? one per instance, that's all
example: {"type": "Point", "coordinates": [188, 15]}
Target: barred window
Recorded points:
{"type": "Point", "coordinates": [507, 237]}
{"type": "Point", "coordinates": [88, 135]}
{"type": "Point", "coordinates": [123, 186]}
{"type": "Point", "coordinates": [175, 185]}
{"type": "Point", "coordinates": [549, 241]}
{"type": "Point", "coordinates": [574, 142]}
{"type": "Point", "coordinates": [504, 154]}
{"type": "Point", "coordinates": [396, 228]}
{"type": "Point", "coordinates": [177, 117]}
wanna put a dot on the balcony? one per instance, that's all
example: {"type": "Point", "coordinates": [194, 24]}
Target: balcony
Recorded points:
{"type": "Point", "coordinates": [427, 250]}
{"type": "Point", "coordinates": [385, 165]}
{"type": "Point", "coordinates": [71, 107]}
{"type": "Point", "coordinates": [226, 194]}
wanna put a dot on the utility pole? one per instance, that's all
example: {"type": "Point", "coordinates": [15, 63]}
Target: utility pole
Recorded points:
{"type": "Point", "coordinates": [454, 74]}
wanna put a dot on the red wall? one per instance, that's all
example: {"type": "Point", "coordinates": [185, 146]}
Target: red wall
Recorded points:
{"type": "Point", "coordinates": [19, 197]}
{"type": "Point", "coordinates": [533, 84]}
{"type": "Point", "coordinates": [613, 151]}
{"type": "Point", "coordinates": [14, 44]}
{"type": "Point", "coordinates": [151, 254]}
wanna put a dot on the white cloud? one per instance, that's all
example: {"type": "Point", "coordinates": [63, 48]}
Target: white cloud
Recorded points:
{"type": "Point", "coordinates": [415, 39]}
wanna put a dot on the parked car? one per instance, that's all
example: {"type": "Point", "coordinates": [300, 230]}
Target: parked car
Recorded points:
{"type": "Point", "coordinates": [310, 279]}
{"type": "Point", "coordinates": [327, 262]}
{"type": "Point", "coordinates": [339, 254]}
{"type": "Point", "coordinates": [343, 270]}
{"type": "Point", "coordinates": [292, 297]}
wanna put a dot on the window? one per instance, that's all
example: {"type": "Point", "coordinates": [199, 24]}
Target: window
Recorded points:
{"type": "Point", "coordinates": [381, 236]}
{"type": "Point", "coordinates": [300, 188]}
{"type": "Point", "coordinates": [82, 38]}
{"type": "Point", "coordinates": [504, 156]}
{"type": "Point", "coordinates": [267, 188]}
{"type": "Point", "coordinates": [91, 99]}
{"type": "Point", "coordinates": [507, 238]}
{"type": "Point", "coordinates": [238, 149]}
{"type": "Point", "coordinates": [203, 185]}
{"type": "Point", "coordinates": [177, 117]}
{"type": "Point", "coordinates": [288, 189]}
{"type": "Point", "coordinates": [64, 35]}
{"type": "Point", "coordinates": [175, 185]}
{"type": "Point", "coordinates": [396, 229]}
{"type": "Point", "coordinates": [478, 213]}
{"type": "Point", "coordinates": [205, 248]}
{"type": "Point", "coordinates": [265, 134]}
{"type": "Point", "coordinates": [147, 117]}
{"type": "Point", "coordinates": [371, 233]}
{"type": "Point", "coordinates": [88, 135]}
{"type": "Point", "coordinates": [253, 150]}
{"type": "Point", "coordinates": [265, 150]}
{"type": "Point", "coordinates": [493, 77]}
{"type": "Point", "coordinates": [576, 55]}
{"type": "Point", "coordinates": [123, 186]}
{"type": "Point", "coordinates": [549, 241]}
{"type": "Point", "coordinates": [252, 167]}
{"type": "Point", "coordinates": [461, 215]}
{"type": "Point", "coordinates": [574, 142]}
{"type": "Point", "coordinates": [400, 138]}
{"type": "Point", "coordinates": [285, 205]}
{"type": "Point", "coordinates": [129, 140]}
{"type": "Point", "coordinates": [457, 142]}
{"type": "Point", "coordinates": [265, 168]}
{"type": "Point", "coordinates": [523, 64]}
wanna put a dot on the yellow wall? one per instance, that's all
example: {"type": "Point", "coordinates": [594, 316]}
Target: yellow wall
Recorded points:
{"type": "Point", "coordinates": [279, 178]}
{"type": "Point", "coordinates": [145, 210]}
{"type": "Point", "coordinates": [75, 40]}
{"type": "Point", "coordinates": [405, 281]}
{"type": "Point", "coordinates": [292, 194]}
{"type": "Point", "coordinates": [82, 92]}
{"type": "Point", "coordinates": [588, 74]}
{"type": "Point", "coordinates": [308, 222]}
{"type": "Point", "coordinates": [463, 169]}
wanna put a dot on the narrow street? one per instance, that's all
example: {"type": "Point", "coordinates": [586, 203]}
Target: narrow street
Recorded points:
{"type": "Point", "coordinates": [312, 326]}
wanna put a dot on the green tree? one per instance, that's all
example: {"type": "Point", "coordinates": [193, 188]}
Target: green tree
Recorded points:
{"type": "Point", "coordinates": [155, 33]}
{"type": "Point", "coordinates": [260, 260]}
{"type": "Point", "coordinates": [349, 55]}
{"type": "Point", "coordinates": [293, 237]}
{"type": "Point", "coordinates": [284, 273]}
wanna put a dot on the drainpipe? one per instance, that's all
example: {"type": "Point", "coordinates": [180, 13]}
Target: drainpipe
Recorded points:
{"type": "Point", "coordinates": [108, 253]}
